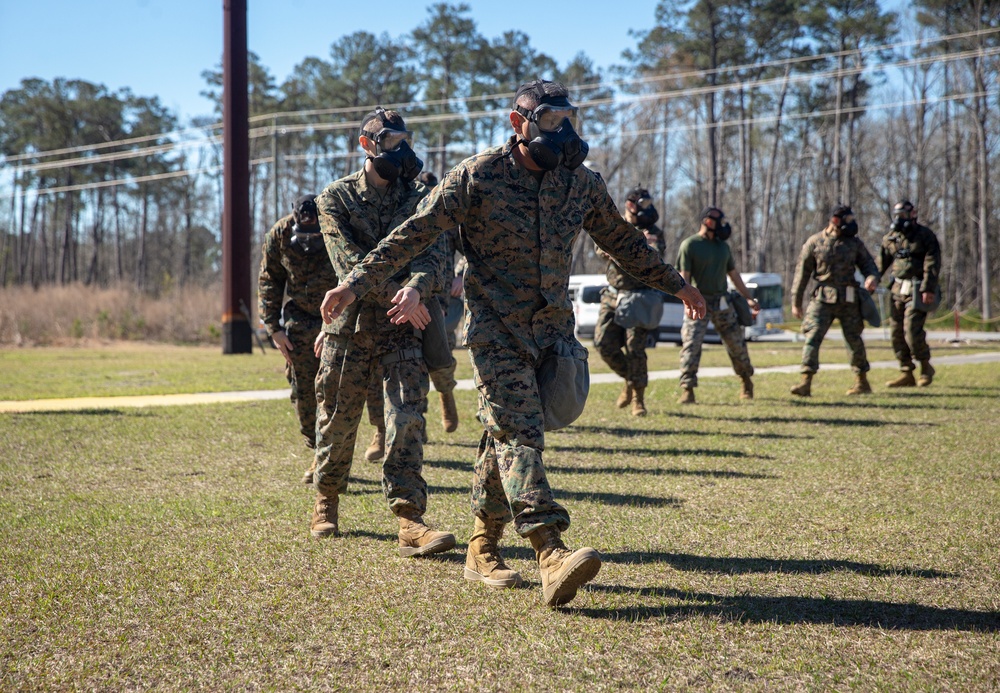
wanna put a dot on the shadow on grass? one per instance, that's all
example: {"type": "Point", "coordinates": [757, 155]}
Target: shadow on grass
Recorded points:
{"type": "Point", "coordinates": [639, 432]}
{"type": "Point", "coordinates": [133, 413]}
{"type": "Point", "coordinates": [868, 405]}
{"type": "Point", "coordinates": [729, 565]}
{"type": "Point", "coordinates": [455, 465]}
{"type": "Point", "coordinates": [796, 610]}
{"type": "Point", "coordinates": [631, 499]}
{"type": "Point", "coordinates": [862, 423]}
{"type": "Point", "coordinates": [655, 452]}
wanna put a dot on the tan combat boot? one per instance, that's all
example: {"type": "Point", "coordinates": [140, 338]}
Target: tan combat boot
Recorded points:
{"type": "Point", "coordinates": [376, 451]}
{"type": "Point", "coordinates": [638, 401]}
{"type": "Point", "coordinates": [861, 386]}
{"type": "Point", "coordinates": [687, 395]}
{"type": "Point", "coordinates": [449, 412]}
{"type": "Point", "coordinates": [324, 517]}
{"type": "Point", "coordinates": [563, 571]}
{"type": "Point", "coordinates": [746, 388]}
{"type": "Point", "coordinates": [926, 374]}
{"type": "Point", "coordinates": [307, 476]}
{"type": "Point", "coordinates": [905, 379]}
{"type": "Point", "coordinates": [483, 562]}
{"type": "Point", "coordinates": [804, 389]}
{"type": "Point", "coordinates": [417, 539]}
{"type": "Point", "coordinates": [625, 398]}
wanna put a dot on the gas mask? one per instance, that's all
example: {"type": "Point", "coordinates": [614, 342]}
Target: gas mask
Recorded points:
{"type": "Point", "coordinates": [901, 222]}
{"type": "Point", "coordinates": [307, 240]}
{"type": "Point", "coordinates": [394, 157]}
{"type": "Point", "coordinates": [722, 228]}
{"type": "Point", "coordinates": [554, 140]}
{"type": "Point", "coordinates": [645, 213]}
{"type": "Point", "coordinates": [848, 228]}
{"type": "Point", "coordinates": [723, 231]}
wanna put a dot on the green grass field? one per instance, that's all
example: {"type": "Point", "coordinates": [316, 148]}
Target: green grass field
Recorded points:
{"type": "Point", "coordinates": [830, 543]}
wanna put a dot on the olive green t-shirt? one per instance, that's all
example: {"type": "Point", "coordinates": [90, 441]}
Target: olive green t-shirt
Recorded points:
{"type": "Point", "coordinates": [708, 262]}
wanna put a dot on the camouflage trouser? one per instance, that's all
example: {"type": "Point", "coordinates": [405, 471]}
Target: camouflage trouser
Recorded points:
{"type": "Point", "coordinates": [301, 373]}
{"type": "Point", "coordinates": [909, 340]}
{"type": "Point", "coordinates": [347, 367]}
{"type": "Point", "coordinates": [509, 481]}
{"type": "Point", "coordinates": [729, 329]}
{"type": "Point", "coordinates": [624, 350]}
{"type": "Point", "coordinates": [444, 378]}
{"type": "Point", "coordinates": [819, 316]}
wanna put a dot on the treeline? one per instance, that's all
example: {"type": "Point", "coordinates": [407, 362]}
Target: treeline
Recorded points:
{"type": "Point", "coordinates": [774, 110]}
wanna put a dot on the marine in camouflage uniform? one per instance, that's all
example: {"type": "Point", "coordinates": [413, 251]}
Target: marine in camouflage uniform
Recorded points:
{"type": "Point", "coordinates": [294, 262]}
{"type": "Point", "coordinates": [518, 221]}
{"type": "Point", "coordinates": [624, 349]}
{"type": "Point", "coordinates": [911, 256]}
{"type": "Point", "coordinates": [830, 257]}
{"type": "Point", "coordinates": [355, 213]}
{"type": "Point", "coordinates": [705, 260]}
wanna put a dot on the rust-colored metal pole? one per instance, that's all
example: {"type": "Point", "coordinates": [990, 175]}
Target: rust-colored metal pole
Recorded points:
{"type": "Point", "coordinates": [237, 336]}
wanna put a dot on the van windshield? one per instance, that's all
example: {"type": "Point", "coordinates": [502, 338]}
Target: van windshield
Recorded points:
{"type": "Point", "coordinates": [591, 294]}
{"type": "Point", "coordinates": [768, 296]}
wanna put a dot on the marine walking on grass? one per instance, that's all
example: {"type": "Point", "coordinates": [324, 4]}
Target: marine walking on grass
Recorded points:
{"type": "Point", "coordinates": [705, 260]}
{"type": "Point", "coordinates": [831, 257]}
{"type": "Point", "coordinates": [910, 257]}
{"type": "Point", "coordinates": [355, 213]}
{"type": "Point", "coordinates": [519, 207]}
{"type": "Point", "coordinates": [624, 348]}
{"type": "Point", "coordinates": [294, 263]}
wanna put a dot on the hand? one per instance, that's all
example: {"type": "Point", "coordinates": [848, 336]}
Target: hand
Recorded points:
{"type": "Point", "coordinates": [694, 302]}
{"type": "Point", "coordinates": [797, 312]}
{"type": "Point", "coordinates": [407, 308]}
{"type": "Point", "coordinates": [318, 345]}
{"type": "Point", "coordinates": [871, 284]}
{"type": "Point", "coordinates": [283, 343]}
{"type": "Point", "coordinates": [927, 297]}
{"type": "Point", "coordinates": [457, 286]}
{"type": "Point", "coordinates": [754, 307]}
{"type": "Point", "coordinates": [335, 301]}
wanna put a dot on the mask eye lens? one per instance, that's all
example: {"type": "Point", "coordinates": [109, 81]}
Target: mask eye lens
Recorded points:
{"type": "Point", "coordinates": [389, 140]}
{"type": "Point", "coordinates": [644, 202]}
{"type": "Point", "coordinates": [550, 119]}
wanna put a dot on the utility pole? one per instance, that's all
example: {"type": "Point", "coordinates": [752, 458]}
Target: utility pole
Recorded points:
{"type": "Point", "coordinates": [236, 329]}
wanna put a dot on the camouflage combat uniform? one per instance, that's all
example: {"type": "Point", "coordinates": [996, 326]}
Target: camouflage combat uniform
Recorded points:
{"type": "Point", "coordinates": [444, 378]}
{"type": "Point", "coordinates": [305, 277]}
{"type": "Point", "coordinates": [718, 309]}
{"type": "Point", "coordinates": [831, 259]}
{"type": "Point", "coordinates": [517, 233]}
{"type": "Point", "coordinates": [915, 260]}
{"type": "Point", "coordinates": [362, 344]}
{"type": "Point", "coordinates": [624, 350]}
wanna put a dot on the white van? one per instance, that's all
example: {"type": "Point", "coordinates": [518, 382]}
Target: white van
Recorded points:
{"type": "Point", "coordinates": [585, 295]}
{"type": "Point", "coordinates": [766, 288]}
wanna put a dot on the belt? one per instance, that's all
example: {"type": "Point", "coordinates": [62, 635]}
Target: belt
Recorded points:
{"type": "Point", "coordinates": [409, 354]}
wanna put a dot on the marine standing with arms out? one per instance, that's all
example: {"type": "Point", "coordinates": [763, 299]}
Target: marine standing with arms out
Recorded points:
{"type": "Point", "coordinates": [705, 260]}
{"type": "Point", "coordinates": [830, 257]}
{"type": "Point", "coordinates": [912, 253]}
{"type": "Point", "coordinates": [624, 350]}
{"type": "Point", "coordinates": [519, 207]}
{"type": "Point", "coordinates": [355, 213]}
{"type": "Point", "coordinates": [294, 262]}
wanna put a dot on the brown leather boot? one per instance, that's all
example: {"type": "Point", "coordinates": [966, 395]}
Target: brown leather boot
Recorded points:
{"type": "Point", "coordinates": [417, 539]}
{"type": "Point", "coordinates": [376, 451]}
{"type": "Point", "coordinates": [687, 395]}
{"type": "Point", "coordinates": [563, 571]}
{"type": "Point", "coordinates": [905, 379]}
{"type": "Point", "coordinates": [625, 398]}
{"type": "Point", "coordinates": [638, 401]}
{"type": "Point", "coordinates": [804, 389]}
{"type": "Point", "coordinates": [926, 374]}
{"type": "Point", "coordinates": [449, 412]}
{"type": "Point", "coordinates": [746, 388]}
{"type": "Point", "coordinates": [483, 562]}
{"type": "Point", "coordinates": [861, 386]}
{"type": "Point", "coordinates": [307, 476]}
{"type": "Point", "coordinates": [324, 517]}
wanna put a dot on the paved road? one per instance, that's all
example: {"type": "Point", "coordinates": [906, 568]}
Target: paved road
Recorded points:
{"type": "Point", "coordinates": [82, 403]}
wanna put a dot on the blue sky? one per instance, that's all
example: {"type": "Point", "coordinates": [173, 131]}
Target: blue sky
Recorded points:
{"type": "Point", "coordinates": [160, 47]}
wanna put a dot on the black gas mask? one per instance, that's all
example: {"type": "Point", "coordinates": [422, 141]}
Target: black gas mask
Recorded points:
{"type": "Point", "coordinates": [902, 221]}
{"type": "Point", "coordinates": [722, 228]}
{"type": "Point", "coordinates": [842, 218]}
{"type": "Point", "coordinates": [554, 139]}
{"type": "Point", "coordinates": [645, 213]}
{"type": "Point", "coordinates": [394, 157]}
{"type": "Point", "coordinates": [306, 236]}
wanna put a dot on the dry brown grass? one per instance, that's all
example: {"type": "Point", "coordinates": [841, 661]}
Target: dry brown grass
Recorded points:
{"type": "Point", "coordinates": [60, 315]}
